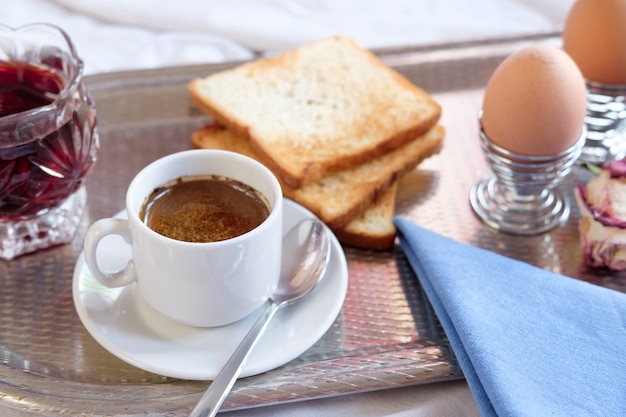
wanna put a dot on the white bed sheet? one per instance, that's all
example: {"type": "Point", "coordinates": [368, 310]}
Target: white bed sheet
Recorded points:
{"type": "Point", "coordinates": [116, 35]}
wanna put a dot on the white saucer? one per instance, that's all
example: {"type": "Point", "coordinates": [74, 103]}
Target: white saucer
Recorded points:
{"type": "Point", "coordinates": [122, 322]}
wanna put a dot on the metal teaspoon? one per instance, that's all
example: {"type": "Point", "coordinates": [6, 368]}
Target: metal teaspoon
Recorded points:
{"type": "Point", "coordinates": [306, 251]}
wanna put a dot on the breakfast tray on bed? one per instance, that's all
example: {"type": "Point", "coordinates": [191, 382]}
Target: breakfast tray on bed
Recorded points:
{"type": "Point", "coordinates": [386, 334]}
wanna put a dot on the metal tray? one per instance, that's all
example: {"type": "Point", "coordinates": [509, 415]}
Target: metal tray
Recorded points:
{"type": "Point", "coordinates": [386, 335]}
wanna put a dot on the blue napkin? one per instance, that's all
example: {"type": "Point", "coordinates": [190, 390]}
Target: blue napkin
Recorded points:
{"type": "Point", "coordinates": [530, 342]}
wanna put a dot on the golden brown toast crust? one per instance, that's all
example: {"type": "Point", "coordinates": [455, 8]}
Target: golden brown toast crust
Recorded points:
{"type": "Point", "coordinates": [381, 237]}
{"type": "Point", "coordinates": [366, 101]}
{"type": "Point", "coordinates": [358, 233]}
{"type": "Point", "coordinates": [338, 198]}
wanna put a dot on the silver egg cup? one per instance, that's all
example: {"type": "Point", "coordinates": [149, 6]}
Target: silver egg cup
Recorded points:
{"type": "Point", "coordinates": [605, 122]}
{"type": "Point", "coordinates": [520, 196]}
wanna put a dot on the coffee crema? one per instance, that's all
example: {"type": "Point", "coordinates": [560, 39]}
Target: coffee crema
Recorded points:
{"type": "Point", "coordinates": [204, 209]}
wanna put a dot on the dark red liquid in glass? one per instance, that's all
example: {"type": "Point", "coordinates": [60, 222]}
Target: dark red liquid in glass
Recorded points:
{"type": "Point", "coordinates": [25, 87]}
{"type": "Point", "coordinates": [42, 172]}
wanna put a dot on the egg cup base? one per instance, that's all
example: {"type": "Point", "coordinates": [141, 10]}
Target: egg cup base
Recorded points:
{"type": "Point", "coordinates": [600, 152]}
{"type": "Point", "coordinates": [527, 218]}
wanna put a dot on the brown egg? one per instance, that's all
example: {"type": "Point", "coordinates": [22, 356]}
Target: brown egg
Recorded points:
{"type": "Point", "coordinates": [594, 35]}
{"type": "Point", "coordinates": [535, 102]}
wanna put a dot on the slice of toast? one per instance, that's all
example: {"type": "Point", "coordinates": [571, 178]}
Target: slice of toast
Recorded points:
{"type": "Point", "coordinates": [322, 107]}
{"type": "Point", "coordinates": [373, 229]}
{"type": "Point", "coordinates": [340, 197]}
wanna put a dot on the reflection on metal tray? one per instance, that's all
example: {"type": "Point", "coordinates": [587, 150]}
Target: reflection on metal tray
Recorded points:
{"type": "Point", "coordinates": [386, 335]}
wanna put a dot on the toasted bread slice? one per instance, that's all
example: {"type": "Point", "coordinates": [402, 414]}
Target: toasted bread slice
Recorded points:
{"type": "Point", "coordinates": [338, 198]}
{"type": "Point", "coordinates": [322, 107]}
{"type": "Point", "coordinates": [373, 229]}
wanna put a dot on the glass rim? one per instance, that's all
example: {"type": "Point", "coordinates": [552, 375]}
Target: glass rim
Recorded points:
{"type": "Point", "coordinates": [73, 79]}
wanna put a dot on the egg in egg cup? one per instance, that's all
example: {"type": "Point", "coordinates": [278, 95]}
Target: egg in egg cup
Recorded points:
{"type": "Point", "coordinates": [594, 35]}
{"type": "Point", "coordinates": [521, 196]}
{"type": "Point", "coordinates": [532, 131]}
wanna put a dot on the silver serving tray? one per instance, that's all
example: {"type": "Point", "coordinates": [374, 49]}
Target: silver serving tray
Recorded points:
{"type": "Point", "coordinates": [386, 335]}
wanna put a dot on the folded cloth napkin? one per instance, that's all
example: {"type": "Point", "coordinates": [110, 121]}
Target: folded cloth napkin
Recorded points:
{"type": "Point", "coordinates": [530, 342]}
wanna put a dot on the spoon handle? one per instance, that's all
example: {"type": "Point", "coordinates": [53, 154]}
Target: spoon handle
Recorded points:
{"type": "Point", "coordinates": [215, 395]}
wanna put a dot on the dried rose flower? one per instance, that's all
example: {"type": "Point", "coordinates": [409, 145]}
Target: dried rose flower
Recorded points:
{"type": "Point", "coordinates": [602, 227]}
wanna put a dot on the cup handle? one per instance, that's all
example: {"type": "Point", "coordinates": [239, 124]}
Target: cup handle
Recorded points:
{"type": "Point", "coordinates": [96, 232]}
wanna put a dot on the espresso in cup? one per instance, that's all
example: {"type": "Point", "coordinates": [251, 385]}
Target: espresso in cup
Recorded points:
{"type": "Point", "coordinates": [197, 283]}
{"type": "Point", "coordinates": [204, 209]}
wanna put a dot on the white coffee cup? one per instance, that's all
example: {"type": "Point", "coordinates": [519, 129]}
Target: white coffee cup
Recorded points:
{"type": "Point", "coordinates": [199, 284]}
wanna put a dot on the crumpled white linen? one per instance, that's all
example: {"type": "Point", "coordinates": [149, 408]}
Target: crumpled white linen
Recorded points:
{"type": "Point", "coordinates": [107, 46]}
{"type": "Point", "coordinates": [279, 24]}
{"type": "Point", "coordinates": [135, 34]}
